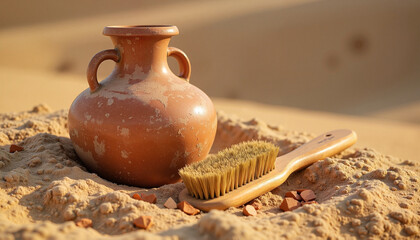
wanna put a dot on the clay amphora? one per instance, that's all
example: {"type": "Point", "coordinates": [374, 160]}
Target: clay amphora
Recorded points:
{"type": "Point", "coordinates": [143, 122]}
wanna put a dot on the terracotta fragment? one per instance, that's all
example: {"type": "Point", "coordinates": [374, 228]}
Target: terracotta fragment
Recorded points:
{"type": "Point", "coordinates": [150, 198]}
{"type": "Point", "coordinates": [308, 195]}
{"type": "Point", "coordinates": [256, 205]}
{"type": "Point", "coordinates": [188, 208]}
{"type": "Point", "coordinates": [293, 194]}
{"type": "Point", "coordinates": [249, 210]}
{"type": "Point", "coordinates": [143, 222]}
{"type": "Point", "coordinates": [289, 204]}
{"type": "Point", "coordinates": [300, 190]}
{"type": "Point", "coordinates": [84, 222]}
{"type": "Point", "coordinates": [136, 196]}
{"type": "Point", "coordinates": [170, 203]}
{"type": "Point", "coordinates": [15, 148]}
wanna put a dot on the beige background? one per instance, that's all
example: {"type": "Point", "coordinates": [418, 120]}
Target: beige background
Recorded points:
{"type": "Point", "coordinates": [317, 64]}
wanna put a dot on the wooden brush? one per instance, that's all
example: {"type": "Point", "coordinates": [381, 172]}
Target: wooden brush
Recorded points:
{"type": "Point", "coordinates": [248, 170]}
{"type": "Point", "coordinates": [229, 169]}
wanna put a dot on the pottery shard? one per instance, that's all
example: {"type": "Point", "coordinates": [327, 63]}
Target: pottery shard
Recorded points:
{"type": "Point", "coordinates": [136, 196]}
{"type": "Point", "coordinates": [84, 222]}
{"type": "Point", "coordinates": [150, 198]}
{"type": "Point", "coordinates": [294, 195]}
{"type": "Point", "coordinates": [170, 203]}
{"type": "Point", "coordinates": [308, 195]}
{"type": "Point", "coordinates": [249, 210]}
{"type": "Point", "coordinates": [289, 204]}
{"type": "Point", "coordinates": [256, 205]}
{"type": "Point", "coordinates": [188, 208]}
{"type": "Point", "coordinates": [143, 222]}
{"type": "Point", "coordinates": [15, 148]}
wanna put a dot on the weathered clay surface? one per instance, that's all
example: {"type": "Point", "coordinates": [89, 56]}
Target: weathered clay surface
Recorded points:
{"type": "Point", "coordinates": [143, 122]}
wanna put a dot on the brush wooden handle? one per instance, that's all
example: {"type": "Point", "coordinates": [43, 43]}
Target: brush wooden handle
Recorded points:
{"type": "Point", "coordinates": [325, 145]}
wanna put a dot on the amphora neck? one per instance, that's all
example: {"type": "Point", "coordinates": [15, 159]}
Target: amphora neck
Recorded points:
{"type": "Point", "coordinates": [141, 48]}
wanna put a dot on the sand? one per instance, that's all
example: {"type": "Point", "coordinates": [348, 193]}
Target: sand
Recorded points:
{"type": "Point", "coordinates": [396, 138]}
{"type": "Point", "coordinates": [311, 62]}
{"type": "Point", "coordinates": [44, 189]}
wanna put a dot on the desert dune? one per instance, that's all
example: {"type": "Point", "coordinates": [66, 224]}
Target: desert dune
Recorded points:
{"type": "Point", "coordinates": [361, 61]}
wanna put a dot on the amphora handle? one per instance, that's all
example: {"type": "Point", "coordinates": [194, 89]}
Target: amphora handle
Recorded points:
{"type": "Point", "coordinates": [183, 62]}
{"type": "Point", "coordinates": [94, 63]}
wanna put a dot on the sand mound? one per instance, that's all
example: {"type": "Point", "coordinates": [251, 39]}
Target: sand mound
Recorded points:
{"type": "Point", "coordinates": [44, 189]}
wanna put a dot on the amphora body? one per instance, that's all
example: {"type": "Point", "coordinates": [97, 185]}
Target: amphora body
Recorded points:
{"type": "Point", "coordinates": [143, 122]}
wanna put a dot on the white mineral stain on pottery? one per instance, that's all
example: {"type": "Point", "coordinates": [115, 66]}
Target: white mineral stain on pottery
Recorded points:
{"type": "Point", "coordinates": [124, 154]}
{"type": "Point", "coordinates": [74, 132]}
{"type": "Point", "coordinates": [88, 116]}
{"type": "Point", "coordinates": [125, 132]}
{"type": "Point", "coordinates": [99, 146]}
{"type": "Point", "coordinates": [86, 156]}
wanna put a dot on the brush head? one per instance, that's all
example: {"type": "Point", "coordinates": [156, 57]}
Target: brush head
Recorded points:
{"type": "Point", "coordinates": [229, 169]}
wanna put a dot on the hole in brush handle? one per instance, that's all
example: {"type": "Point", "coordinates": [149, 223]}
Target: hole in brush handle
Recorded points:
{"type": "Point", "coordinates": [325, 145]}
{"type": "Point", "coordinates": [326, 137]}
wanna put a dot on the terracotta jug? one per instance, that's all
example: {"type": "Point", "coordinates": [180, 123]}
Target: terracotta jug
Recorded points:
{"type": "Point", "coordinates": [143, 122]}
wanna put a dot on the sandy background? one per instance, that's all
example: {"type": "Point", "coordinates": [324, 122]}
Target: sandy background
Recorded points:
{"type": "Point", "coordinates": [350, 57]}
{"type": "Point", "coordinates": [305, 66]}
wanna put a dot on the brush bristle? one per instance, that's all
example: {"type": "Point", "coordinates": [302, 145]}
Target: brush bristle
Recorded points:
{"type": "Point", "coordinates": [229, 169]}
